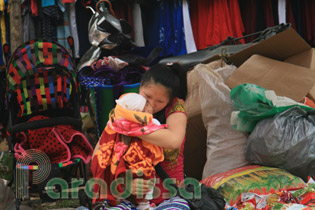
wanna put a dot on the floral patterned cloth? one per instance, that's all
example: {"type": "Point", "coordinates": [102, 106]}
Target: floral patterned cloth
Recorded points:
{"type": "Point", "coordinates": [120, 149]}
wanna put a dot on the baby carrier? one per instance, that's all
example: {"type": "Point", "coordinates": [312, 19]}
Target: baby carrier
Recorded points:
{"type": "Point", "coordinates": [44, 125]}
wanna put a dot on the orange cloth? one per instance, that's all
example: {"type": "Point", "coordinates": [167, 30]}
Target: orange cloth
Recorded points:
{"type": "Point", "coordinates": [118, 152]}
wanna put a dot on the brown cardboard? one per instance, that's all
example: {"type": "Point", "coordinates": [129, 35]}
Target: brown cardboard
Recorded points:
{"type": "Point", "coordinates": [195, 147]}
{"type": "Point", "coordinates": [285, 79]}
{"type": "Point", "coordinates": [279, 47]}
{"type": "Point", "coordinates": [305, 59]}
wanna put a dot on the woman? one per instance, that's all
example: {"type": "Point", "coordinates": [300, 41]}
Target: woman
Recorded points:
{"type": "Point", "coordinates": [164, 86]}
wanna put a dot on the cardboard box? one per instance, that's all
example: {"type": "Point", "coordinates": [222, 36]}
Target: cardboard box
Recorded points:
{"type": "Point", "coordinates": [285, 79]}
{"type": "Point", "coordinates": [283, 45]}
{"type": "Point", "coordinates": [305, 59]}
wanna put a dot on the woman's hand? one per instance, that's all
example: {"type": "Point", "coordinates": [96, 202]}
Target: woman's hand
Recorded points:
{"type": "Point", "coordinates": [140, 187]}
{"type": "Point", "coordinates": [173, 136]}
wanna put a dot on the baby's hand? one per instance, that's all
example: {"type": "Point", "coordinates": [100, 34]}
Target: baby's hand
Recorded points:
{"type": "Point", "coordinates": [148, 108]}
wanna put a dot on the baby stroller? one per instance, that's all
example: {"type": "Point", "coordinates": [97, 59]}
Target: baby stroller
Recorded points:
{"type": "Point", "coordinates": [42, 97]}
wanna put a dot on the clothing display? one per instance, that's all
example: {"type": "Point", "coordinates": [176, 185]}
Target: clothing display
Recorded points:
{"type": "Point", "coordinates": [178, 27]}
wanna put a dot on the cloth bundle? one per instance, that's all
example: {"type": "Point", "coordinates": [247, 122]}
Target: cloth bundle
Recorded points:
{"type": "Point", "coordinates": [60, 143]}
{"type": "Point", "coordinates": [117, 153]}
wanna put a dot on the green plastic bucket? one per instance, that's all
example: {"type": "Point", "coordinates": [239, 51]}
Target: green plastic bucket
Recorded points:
{"type": "Point", "coordinates": [103, 102]}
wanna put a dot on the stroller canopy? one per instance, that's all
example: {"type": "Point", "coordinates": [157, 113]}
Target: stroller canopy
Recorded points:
{"type": "Point", "coordinates": [34, 54]}
{"type": "Point", "coordinates": [42, 74]}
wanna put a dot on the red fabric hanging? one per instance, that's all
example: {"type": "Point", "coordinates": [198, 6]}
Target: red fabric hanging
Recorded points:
{"type": "Point", "coordinates": [214, 20]}
{"type": "Point", "coordinates": [289, 14]}
{"type": "Point", "coordinates": [269, 13]}
{"type": "Point", "coordinates": [199, 11]}
{"type": "Point", "coordinates": [248, 12]}
{"type": "Point", "coordinates": [237, 25]}
{"type": "Point", "coordinates": [34, 7]}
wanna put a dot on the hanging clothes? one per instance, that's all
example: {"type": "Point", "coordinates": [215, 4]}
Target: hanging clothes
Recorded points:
{"type": "Point", "coordinates": [282, 11]}
{"type": "Point", "coordinates": [189, 37]}
{"type": "Point", "coordinates": [63, 27]}
{"type": "Point", "coordinates": [297, 12]}
{"type": "Point", "coordinates": [70, 7]}
{"type": "Point", "coordinates": [50, 16]}
{"type": "Point", "coordinates": [166, 28]}
{"type": "Point", "coordinates": [28, 24]}
{"type": "Point", "coordinates": [248, 11]}
{"type": "Point", "coordinates": [289, 14]}
{"type": "Point", "coordinates": [269, 13]}
{"type": "Point", "coordinates": [236, 19]}
{"type": "Point", "coordinates": [15, 20]}
{"type": "Point", "coordinates": [213, 21]}
{"type": "Point", "coordinates": [138, 27]}
{"type": "Point", "coordinates": [83, 21]}
{"type": "Point", "coordinates": [67, 27]}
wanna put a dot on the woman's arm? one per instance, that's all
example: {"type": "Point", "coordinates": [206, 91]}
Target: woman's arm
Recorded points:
{"type": "Point", "coordinates": [173, 136]}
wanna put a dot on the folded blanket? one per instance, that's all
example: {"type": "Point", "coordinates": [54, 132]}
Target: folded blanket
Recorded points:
{"type": "Point", "coordinates": [120, 149]}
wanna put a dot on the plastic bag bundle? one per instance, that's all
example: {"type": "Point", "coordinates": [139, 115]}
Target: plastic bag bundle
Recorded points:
{"type": "Point", "coordinates": [285, 141]}
{"type": "Point", "coordinates": [254, 103]}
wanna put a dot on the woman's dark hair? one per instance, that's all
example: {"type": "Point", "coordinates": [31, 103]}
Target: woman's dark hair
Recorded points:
{"type": "Point", "coordinates": [171, 75]}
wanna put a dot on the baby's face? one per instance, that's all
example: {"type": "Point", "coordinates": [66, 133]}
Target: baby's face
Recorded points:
{"type": "Point", "coordinates": [148, 108]}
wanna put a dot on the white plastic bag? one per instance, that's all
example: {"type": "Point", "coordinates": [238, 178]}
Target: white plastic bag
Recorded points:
{"type": "Point", "coordinates": [225, 146]}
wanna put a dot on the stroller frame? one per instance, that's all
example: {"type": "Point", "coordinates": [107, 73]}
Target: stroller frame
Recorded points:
{"type": "Point", "coordinates": [65, 111]}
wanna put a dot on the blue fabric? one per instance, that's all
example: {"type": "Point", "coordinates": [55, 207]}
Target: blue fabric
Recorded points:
{"type": "Point", "coordinates": [48, 3]}
{"type": "Point", "coordinates": [164, 27]}
{"type": "Point", "coordinates": [172, 36]}
{"type": "Point", "coordinates": [178, 27]}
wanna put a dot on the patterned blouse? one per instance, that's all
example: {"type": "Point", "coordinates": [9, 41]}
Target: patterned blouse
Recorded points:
{"type": "Point", "coordinates": [173, 162]}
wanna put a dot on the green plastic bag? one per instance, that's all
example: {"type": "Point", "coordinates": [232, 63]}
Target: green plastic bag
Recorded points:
{"type": "Point", "coordinates": [253, 103]}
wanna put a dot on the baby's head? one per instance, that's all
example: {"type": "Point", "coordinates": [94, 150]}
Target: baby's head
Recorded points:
{"type": "Point", "coordinates": [134, 102]}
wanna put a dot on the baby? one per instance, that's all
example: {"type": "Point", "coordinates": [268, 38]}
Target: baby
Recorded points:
{"type": "Point", "coordinates": [136, 102]}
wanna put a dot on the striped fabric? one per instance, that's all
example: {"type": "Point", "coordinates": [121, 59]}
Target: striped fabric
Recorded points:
{"type": "Point", "coordinates": [42, 76]}
{"type": "Point", "coordinates": [174, 203]}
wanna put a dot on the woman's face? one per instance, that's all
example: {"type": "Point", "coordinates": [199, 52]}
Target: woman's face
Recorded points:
{"type": "Point", "coordinates": [156, 94]}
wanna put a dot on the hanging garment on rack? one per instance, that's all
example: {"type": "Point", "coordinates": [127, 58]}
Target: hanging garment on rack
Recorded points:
{"type": "Point", "coordinates": [63, 29]}
{"type": "Point", "coordinates": [178, 37]}
{"type": "Point", "coordinates": [49, 19]}
{"type": "Point", "coordinates": [236, 19]}
{"type": "Point", "coordinates": [189, 37]}
{"type": "Point", "coordinates": [83, 21]}
{"type": "Point", "coordinates": [248, 11]}
{"type": "Point", "coordinates": [68, 27]}
{"type": "Point", "coordinates": [166, 28]}
{"type": "Point", "coordinates": [15, 20]}
{"type": "Point", "coordinates": [198, 14]}
{"type": "Point", "coordinates": [137, 24]}
{"type": "Point", "coordinates": [48, 3]}
{"type": "Point", "coordinates": [213, 21]}
{"type": "Point", "coordinates": [34, 7]}
{"type": "Point", "coordinates": [289, 14]}
{"type": "Point", "coordinates": [282, 11]}
{"type": "Point", "coordinates": [73, 27]}
{"type": "Point", "coordinates": [269, 13]}
{"type": "Point", "coordinates": [28, 24]}
{"type": "Point", "coordinates": [297, 12]}
{"type": "Point", "coordinates": [309, 21]}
